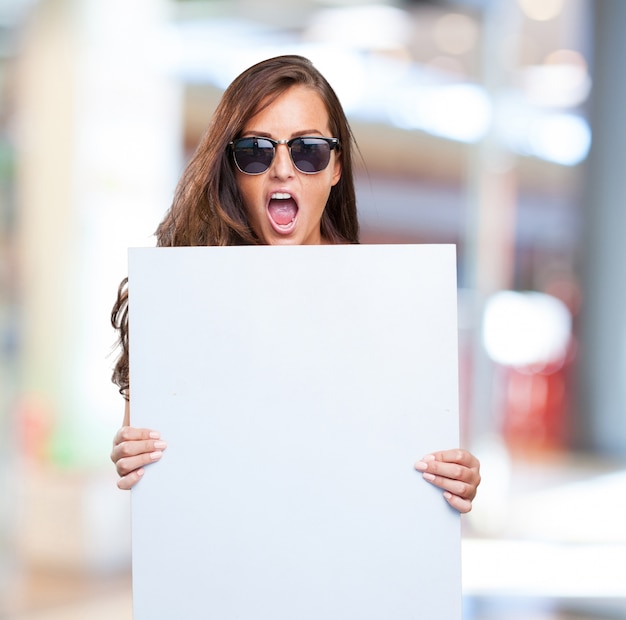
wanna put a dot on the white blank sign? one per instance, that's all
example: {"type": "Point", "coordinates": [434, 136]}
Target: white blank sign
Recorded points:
{"type": "Point", "coordinates": [295, 387]}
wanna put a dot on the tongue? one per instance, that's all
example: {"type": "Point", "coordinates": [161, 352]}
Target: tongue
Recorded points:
{"type": "Point", "coordinates": [283, 211]}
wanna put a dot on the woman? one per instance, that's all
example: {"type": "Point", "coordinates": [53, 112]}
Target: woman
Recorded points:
{"type": "Point", "coordinates": [274, 167]}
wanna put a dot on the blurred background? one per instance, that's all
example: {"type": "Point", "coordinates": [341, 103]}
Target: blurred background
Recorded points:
{"type": "Point", "coordinates": [496, 125]}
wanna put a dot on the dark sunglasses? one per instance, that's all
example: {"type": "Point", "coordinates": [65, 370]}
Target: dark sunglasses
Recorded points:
{"type": "Point", "coordinates": [254, 155]}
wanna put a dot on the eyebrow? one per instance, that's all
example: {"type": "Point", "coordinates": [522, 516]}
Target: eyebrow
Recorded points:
{"type": "Point", "coordinates": [297, 134]}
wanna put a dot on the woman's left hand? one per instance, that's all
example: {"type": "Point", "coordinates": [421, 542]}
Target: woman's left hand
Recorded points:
{"type": "Point", "coordinates": [457, 472]}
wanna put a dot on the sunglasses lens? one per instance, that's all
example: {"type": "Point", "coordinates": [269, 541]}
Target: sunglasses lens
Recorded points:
{"type": "Point", "coordinates": [253, 155]}
{"type": "Point", "coordinates": [310, 154]}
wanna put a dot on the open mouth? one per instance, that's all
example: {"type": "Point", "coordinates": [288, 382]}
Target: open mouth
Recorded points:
{"type": "Point", "coordinates": [283, 212]}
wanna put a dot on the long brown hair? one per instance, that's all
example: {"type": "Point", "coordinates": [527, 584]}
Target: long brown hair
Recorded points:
{"type": "Point", "coordinates": [207, 208]}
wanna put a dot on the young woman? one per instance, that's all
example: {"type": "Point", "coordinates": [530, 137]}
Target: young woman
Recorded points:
{"type": "Point", "coordinates": [274, 167]}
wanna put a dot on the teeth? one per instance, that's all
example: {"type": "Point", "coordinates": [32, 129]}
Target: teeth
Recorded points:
{"type": "Point", "coordinates": [280, 196]}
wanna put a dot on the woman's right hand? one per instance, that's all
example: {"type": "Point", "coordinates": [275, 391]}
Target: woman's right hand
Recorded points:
{"type": "Point", "coordinates": [133, 449]}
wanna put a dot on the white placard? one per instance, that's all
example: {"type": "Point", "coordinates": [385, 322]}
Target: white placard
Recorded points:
{"type": "Point", "coordinates": [295, 387]}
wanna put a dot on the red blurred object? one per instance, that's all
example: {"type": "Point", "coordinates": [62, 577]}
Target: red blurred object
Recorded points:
{"type": "Point", "coordinates": [536, 406]}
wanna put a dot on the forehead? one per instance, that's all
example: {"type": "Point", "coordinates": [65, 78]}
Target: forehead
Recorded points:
{"type": "Point", "coordinates": [299, 108]}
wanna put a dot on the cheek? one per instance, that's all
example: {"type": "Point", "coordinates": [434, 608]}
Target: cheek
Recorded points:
{"type": "Point", "coordinates": [247, 190]}
{"type": "Point", "coordinates": [241, 184]}
{"type": "Point", "coordinates": [322, 194]}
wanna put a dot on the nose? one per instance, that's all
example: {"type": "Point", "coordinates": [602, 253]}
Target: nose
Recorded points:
{"type": "Point", "coordinates": [282, 166]}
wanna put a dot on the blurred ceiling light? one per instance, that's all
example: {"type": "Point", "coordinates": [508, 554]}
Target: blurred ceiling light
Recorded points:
{"type": "Point", "coordinates": [541, 10]}
{"type": "Point", "coordinates": [559, 137]}
{"type": "Point", "coordinates": [455, 33]}
{"type": "Point", "coordinates": [566, 57]}
{"type": "Point", "coordinates": [562, 138]}
{"type": "Point", "coordinates": [457, 112]}
{"type": "Point", "coordinates": [526, 329]}
{"type": "Point", "coordinates": [365, 27]}
{"type": "Point", "coordinates": [344, 69]}
{"type": "Point", "coordinates": [556, 85]}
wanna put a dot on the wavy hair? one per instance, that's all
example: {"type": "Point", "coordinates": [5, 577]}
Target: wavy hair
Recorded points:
{"type": "Point", "coordinates": [207, 208]}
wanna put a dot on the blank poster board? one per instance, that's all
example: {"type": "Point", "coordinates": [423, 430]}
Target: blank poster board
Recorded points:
{"type": "Point", "coordinates": [295, 387]}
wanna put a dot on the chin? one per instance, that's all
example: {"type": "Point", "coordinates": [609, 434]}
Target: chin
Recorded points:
{"type": "Point", "coordinates": [276, 240]}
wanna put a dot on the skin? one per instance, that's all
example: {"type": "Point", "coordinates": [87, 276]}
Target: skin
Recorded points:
{"type": "Point", "coordinates": [298, 111]}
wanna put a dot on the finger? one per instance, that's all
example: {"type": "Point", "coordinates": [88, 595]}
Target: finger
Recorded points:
{"type": "Point", "coordinates": [454, 486]}
{"type": "Point", "coordinates": [458, 503]}
{"type": "Point", "coordinates": [453, 471]}
{"type": "Point", "coordinates": [128, 464]}
{"type": "Point", "coordinates": [459, 456]}
{"type": "Point", "coordinates": [130, 433]}
{"type": "Point", "coordinates": [125, 449]}
{"type": "Point", "coordinates": [125, 483]}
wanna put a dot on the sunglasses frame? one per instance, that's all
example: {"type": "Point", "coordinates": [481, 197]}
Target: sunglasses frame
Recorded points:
{"type": "Point", "coordinates": [333, 143]}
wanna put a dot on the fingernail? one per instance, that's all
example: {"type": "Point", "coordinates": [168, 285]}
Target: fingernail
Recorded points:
{"type": "Point", "coordinates": [429, 477]}
{"type": "Point", "coordinates": [447, 495]}
{"type": "Point", "coordinates": [155, 435]}
{"type": "Point", "coordinates": [155, 456]}
{"type": "Point", "coordinates": [428, 457]}
{"type": "Point", "coordinates": [139, 473]}
{"type": "Point", "coordinates": [421, 465]}
{"type": "Point", "coordinates": [160, 445]}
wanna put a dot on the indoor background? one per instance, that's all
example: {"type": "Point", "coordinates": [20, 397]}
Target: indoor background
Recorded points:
{"type": "Point", "coordinates": [496, 125]}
